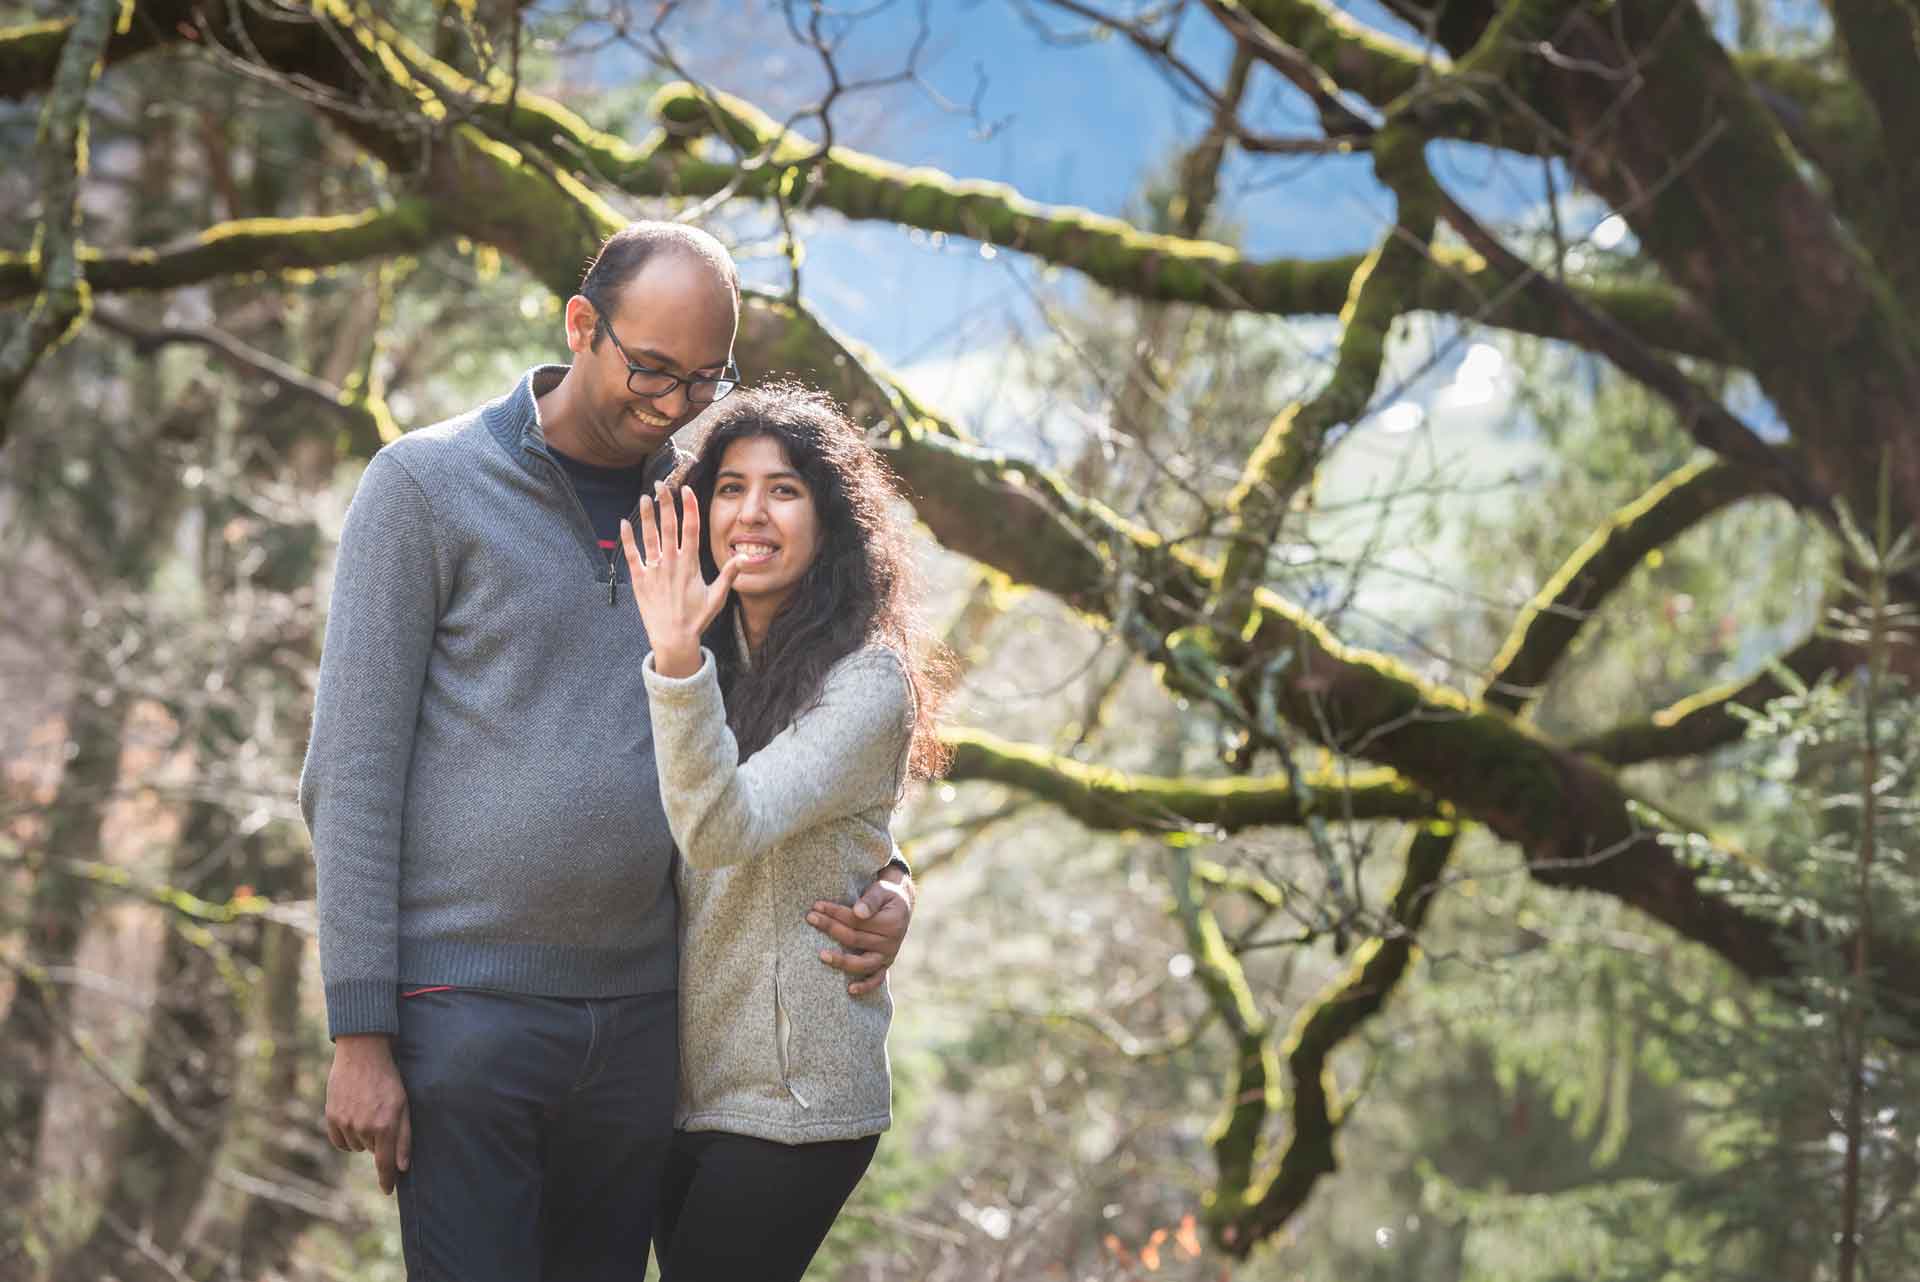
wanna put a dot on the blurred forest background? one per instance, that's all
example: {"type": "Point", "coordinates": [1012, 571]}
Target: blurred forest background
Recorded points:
{"type": "Point", "coordinates": [1419, 515]}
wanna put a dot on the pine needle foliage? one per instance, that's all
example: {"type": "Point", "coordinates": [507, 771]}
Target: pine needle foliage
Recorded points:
{"type": "Point", "coordinates": [1813, 1107]}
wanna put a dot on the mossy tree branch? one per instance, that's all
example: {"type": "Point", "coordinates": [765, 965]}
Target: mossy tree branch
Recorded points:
{"type": "Point", "coordinates": [1253, 40]}
{"type": "Point", "coordinates": [1700, 167]}
{"type": "Point", "coordinates": [1106, 250]}
{"type": "Point", "coordinates": [61, 161]}
{"type": "Point", "coordinates": [1251, 1213]}
{"type": "Point", "coordinates": [1710, 422]}
{"type": "Point", "coordinates": [245, 247]}
{"type": "Point", "coordinates": [1705, 721]}
{"type": "Point", "coordinates": [473, 183]}
{"type": "Point", "coordinates": [1575, 822]}
{"type": "Point", "coordinates": [1571, 817]}
{"type": "Point", "coordinates": [1368, 62]}
{"type": "Point", "coordinates": [1539, 638]}
{"type": "Point", "coordinates": [1288, 454]}
{"type": "Point", "coordinates": [1719, 201]}
{"type": "Point", "coordinates": [1881, 41]}
{"type": "Point", "coordinates": [30, 51]}
{"type": "Point", "coordinates": [1110, 800]}
{"type": "Point", "coordinates": [1254, 1080]}
{"type": "Point", "coordinates": [1547, 627]}
{"type": "Point", "coordinates": [1115, 254]}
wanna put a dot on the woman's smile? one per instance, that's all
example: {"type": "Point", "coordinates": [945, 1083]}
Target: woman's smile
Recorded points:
{"type": "Point", "coordinates": [753, 551]}
{"type": "Point", "coordinates": [763, 516]}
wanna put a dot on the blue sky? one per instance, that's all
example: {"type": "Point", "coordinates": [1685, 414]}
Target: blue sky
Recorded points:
{"type": "Point", "coordinates": [1081, 123]}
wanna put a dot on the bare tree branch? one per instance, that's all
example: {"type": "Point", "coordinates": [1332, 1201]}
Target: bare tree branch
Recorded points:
{"type": "Point", "coordinates": [1710, 422]}
{"type": "Point", "coordinates": [1321, 89]}
{"type": "Point", "coordinates": [367, 418]}
{"type": "Point", "coordinates": [1344, 130]}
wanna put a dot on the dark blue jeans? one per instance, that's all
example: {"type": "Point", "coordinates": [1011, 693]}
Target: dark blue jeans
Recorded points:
{"type": "Point", "coordinates": [540, 1126]}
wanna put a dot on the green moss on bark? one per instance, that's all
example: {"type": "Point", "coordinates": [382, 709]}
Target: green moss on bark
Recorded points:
{"type": "Point", "coordinates": [1284, 460]}
{"type": "Point", "coordinates": [1549, 623]}
{"type": "Point", "coordinates": [1109, 251]}
{"type": "Point", "coordinates": [245, 247]}
{"type": "Point", "coordinates": [1372, 64]}
{"type": "Point", "coordinates": [1104, 798]}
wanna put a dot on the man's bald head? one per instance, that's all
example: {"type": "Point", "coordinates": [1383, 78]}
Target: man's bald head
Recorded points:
{"type": "Point", "coordinates": [629, 250]}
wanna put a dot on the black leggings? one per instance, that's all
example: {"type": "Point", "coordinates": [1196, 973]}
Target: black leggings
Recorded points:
{"type": "Point", "coordinates": [733, 1207]}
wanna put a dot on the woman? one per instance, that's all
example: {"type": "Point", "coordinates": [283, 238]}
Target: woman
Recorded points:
{"type": "Point", "coordinates": [783, 744]}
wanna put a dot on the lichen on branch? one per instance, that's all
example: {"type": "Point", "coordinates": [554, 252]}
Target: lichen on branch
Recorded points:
{"type": "Point", "coordinates": [1104, 798]}
{"type": "Point", "coordinates": [61, 162]}
{"type": "Point", "coordinates": [245, 247]}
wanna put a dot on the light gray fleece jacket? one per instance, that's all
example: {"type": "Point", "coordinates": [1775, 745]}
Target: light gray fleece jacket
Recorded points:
{"type": "Point", "coordinates": [480, 782]}
{"type": "Point", "coordinates": [771, 1045]}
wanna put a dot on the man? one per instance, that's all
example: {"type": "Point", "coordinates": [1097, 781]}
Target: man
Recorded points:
{"type": "Point", "coordinates": [497, 915]}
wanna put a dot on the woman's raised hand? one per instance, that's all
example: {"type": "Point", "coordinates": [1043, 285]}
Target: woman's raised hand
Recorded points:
{"type": "Point", "coordinates": [676, 602]}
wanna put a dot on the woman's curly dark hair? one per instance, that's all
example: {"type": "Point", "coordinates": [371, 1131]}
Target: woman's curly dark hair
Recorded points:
{"type": "Point", "coordinates": [860, 589]}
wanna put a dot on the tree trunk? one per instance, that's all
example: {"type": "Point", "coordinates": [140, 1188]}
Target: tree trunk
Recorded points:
{"type": "Point", "coordinates": [55, 917]}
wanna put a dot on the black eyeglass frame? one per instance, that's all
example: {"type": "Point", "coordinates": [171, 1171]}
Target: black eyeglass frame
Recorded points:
{"type": "Point", "coordinates": [730, 376]}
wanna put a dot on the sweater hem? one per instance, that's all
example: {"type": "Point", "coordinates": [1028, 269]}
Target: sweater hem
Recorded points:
{"type": "Point", "coordinates": [824, 1130]}
{"type": "Point", "coordinates": [541, 970]}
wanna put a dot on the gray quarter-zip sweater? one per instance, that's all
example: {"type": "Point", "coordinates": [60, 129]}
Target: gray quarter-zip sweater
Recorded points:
{"type": "Point", "coordinates": [480, 783]}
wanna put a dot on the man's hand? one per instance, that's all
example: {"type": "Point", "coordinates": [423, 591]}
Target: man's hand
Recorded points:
{"type": "Point", "coordinates": [367, 1105]}
{"type": "Point", "coordinates": [870, 932]}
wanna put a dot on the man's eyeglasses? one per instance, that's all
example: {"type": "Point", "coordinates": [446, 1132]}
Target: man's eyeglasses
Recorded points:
{"type": "Point", "coordinates": [643, 380]}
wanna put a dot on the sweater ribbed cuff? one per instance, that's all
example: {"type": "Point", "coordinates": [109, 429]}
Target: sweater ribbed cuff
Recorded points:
{"type": "Point", "coordinates": [363, 1006]}
{"type": "Point", "coordinates": [685, 688]}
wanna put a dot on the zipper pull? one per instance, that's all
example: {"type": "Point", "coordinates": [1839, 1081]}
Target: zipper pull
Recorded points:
{"type": "Point", "coordinates": [613, 581]}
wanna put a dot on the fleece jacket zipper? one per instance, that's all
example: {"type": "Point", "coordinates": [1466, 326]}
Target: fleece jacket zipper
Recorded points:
{"type": "Point", "coordinates": [782, 1037]}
